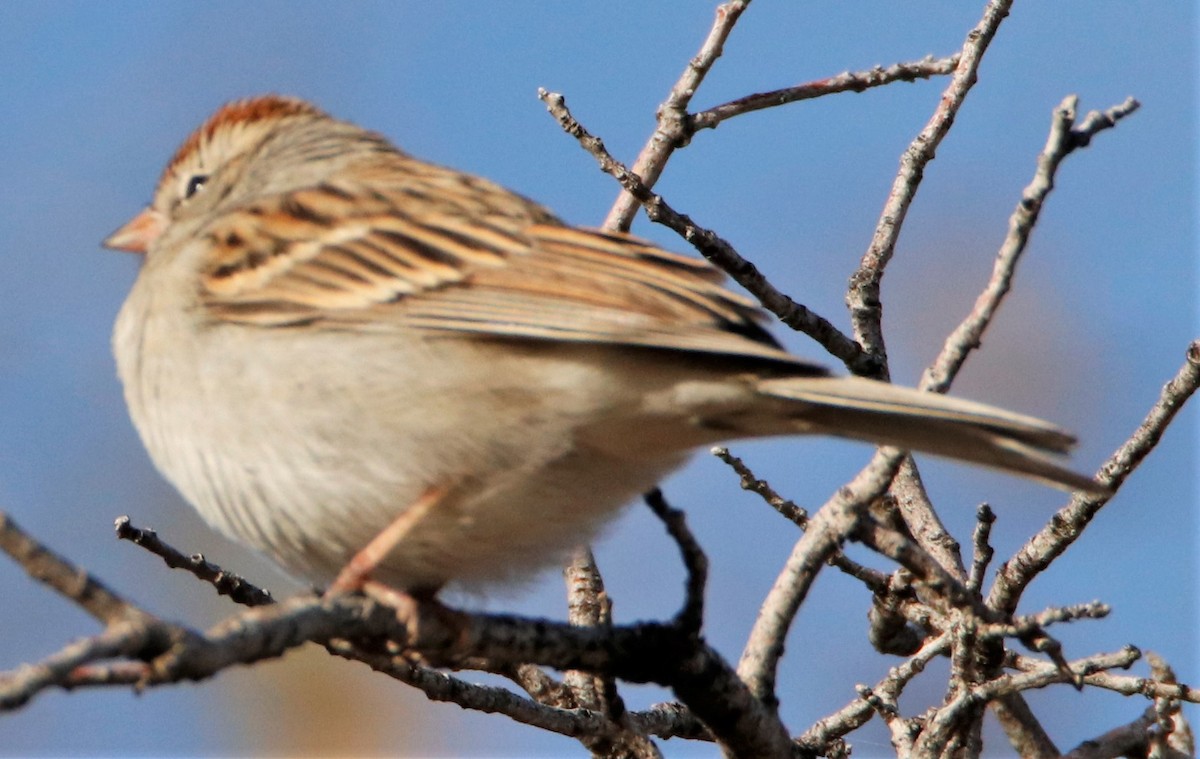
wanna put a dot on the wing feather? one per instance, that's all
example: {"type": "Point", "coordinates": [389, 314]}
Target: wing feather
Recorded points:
{"type": "Point", "coordinates": [399, 254]}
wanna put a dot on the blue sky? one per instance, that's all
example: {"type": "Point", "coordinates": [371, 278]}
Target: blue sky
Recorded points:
{"type": "Point", "coordinates": [95, 97]}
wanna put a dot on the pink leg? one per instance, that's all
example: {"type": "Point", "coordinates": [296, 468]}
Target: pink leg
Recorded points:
{"type": "Point", "coordinates": [356, 575]}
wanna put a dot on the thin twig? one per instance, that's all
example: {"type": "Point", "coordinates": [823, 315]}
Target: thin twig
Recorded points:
{"type": "Point", "coordinates": [1065, 137]}
{"type": "Point", "coordinates": [691, 616]}
{"type": "Point", "coordinates": [1068, 524]}
{"type": "Point", "coordinates": [748, 481]}
{"type": "Point", "coordinates": [863, 295]}
{"type": "Point", "coordinates": [948, 717]}
{"type": "Point", "coordinates": [442, 687]}
{"type": "Point", "coordinates": [830, 528]}
{"type": "Point", "coordinates": [856, 714]}
{"type": "Point", "coordinates": [875, 580]}
{"type": "Point", "coordinates": [848, 81]}
{"type": "Point", "coordinates": [1033, 624]}
{"type": "Point", "coordinates": [712, 247]}
{"type": "Point", "coordinates": [238, 589]}
{"type": "Point", "coordinates": [983, 552]}
{"type": "Point", "coordinates": [72, 582]}
{"type": "Point", "coordinates": [672, 128]}
{"type": "Point", "coordinates": [1126, 685]}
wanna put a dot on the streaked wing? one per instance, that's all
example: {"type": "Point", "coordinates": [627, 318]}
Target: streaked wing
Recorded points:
{"type": "Point", "coordinates": [338, 254]}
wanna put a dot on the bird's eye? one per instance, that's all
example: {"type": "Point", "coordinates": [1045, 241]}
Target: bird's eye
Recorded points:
{"type": "Point", "coordinates": [195, 183]}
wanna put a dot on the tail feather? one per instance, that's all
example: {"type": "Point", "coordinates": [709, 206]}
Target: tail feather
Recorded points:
{"type": "Point", "coordinates": [886, 414]}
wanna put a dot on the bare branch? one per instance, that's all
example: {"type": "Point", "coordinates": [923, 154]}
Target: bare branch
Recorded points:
{"type": "Point", "coordinates": [889, 629]}
{"type": "Point", "coordinates": [675, 127]}
{"type": "Point", "coordinates": [863, 295]}
{"type": "Point", "coordinates": [128, 638]}
{"type": "Point", "coordinates": [584, 724]}
{"type": "Point", "coordinates": [895, 545]}
{"type": "Point", "coordinates": [837, 520]}
{"type": "Point", "coordinates": [542, 687]}
{"type": "Point", "coordinates": [889, 711]}
{"type": "Point", "coordinates": [1064, 139]}
{"type": "Point", "coordinates": [1025, 733]}
{"type": "Point", "coordinates": [691, 615]}
{"type": "Point", "coordinates": [1123, 684]}
{"type": "Point", "coordinates": [436, 686]}
{"type": "Point", "coordinates": [1174, 738]}
{"type": "Point", "coordinates": [713, 247]}
{"type": "Point", "coordinates": [72, 582]}
{"type": "Point", "coordinates": [229, 584]}
{"type": "Point", "coordinates": [1161, 732]}
{"type": "Point", "coordinates": [672, 130]}
{"type": "Point", "coordinates": [587, 601]}
{"type": "Point", "coordinates": [981, 557]}
{"type": "Point", "coordinates": [672, 720]}
{"type": "Point", "coordinates": [1022, 627]}
{"type": "Point", "coordinates": [922, 519]}
{"type": "Point", "coordinates": [947, 719]}
{"type": "Point", "coordinates": [588, 604]}
{"type": "Point", "coordinates": [849, 81]}
{"type": "Point", "coordinates": [856, 714]}
{"type": "Point", "coordinates": [1132, 739]}
{"type": "Point", "coordinates": [696, 674]}
{"type": "Point", "coordinates": [640, 653]}
{"type": "Point", "coordinates": [875, 580]}
{"type": "Point", "coordinates": [1068, 524]}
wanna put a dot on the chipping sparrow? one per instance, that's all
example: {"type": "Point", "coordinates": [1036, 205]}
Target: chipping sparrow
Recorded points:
{"type": "Point", "coordinates": [326, 331]}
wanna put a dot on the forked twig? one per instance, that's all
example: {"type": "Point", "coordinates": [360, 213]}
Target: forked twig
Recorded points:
{"type": "Point", "coordinates": [864, 292]}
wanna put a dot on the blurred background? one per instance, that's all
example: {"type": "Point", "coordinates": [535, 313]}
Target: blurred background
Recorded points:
{"type": "Point", "coordinates": [95, 97]}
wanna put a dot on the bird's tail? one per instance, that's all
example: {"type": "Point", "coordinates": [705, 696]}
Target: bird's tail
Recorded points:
{"type": "Point", "coordinates": [887, 414]}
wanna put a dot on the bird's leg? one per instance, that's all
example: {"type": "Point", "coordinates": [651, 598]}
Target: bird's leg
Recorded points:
{"type": "Point", "coordinates": [356, 575]}
{"type": "Point", "coordinates": [409, 604]}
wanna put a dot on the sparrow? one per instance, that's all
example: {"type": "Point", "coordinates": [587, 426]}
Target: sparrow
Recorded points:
{"type": "Point", "coordinates": [328, 337]}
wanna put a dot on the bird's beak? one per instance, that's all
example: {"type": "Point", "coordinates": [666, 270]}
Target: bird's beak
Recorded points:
{"type": "Point", "coordinates": [137, 235]}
